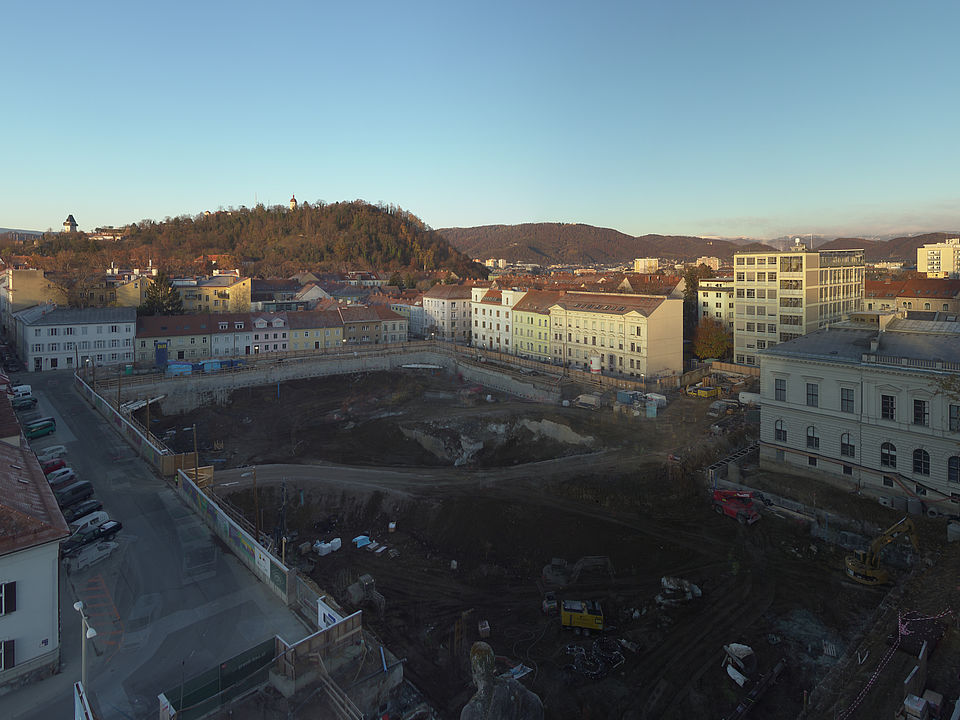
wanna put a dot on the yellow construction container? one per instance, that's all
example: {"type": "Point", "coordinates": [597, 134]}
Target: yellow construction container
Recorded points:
{"type": "Point", "coordinates": [585, 614]}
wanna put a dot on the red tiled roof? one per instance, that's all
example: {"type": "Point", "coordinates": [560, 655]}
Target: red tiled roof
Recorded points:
{"type": "Point", "coordinates": [448, 292]}
{"type": "Point", "coordinates": [29, 515]}
{"type": "Point", "coordinates": [610, 302]}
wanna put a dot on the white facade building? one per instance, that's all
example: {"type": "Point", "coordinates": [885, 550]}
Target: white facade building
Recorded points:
{"type": "Point", "coordinates": [779, 296]}
{"type": "Point", "coordinates": [446, 310]}
{"type": "Point", "coordinates": [940, 260]}
{"type": "Point", "coordinates": [715, 300]}
{"type": "Point", "coordinates": [52, 338]}
{"type": "Point", "coordinates": [491, 311]}
{"type": "Point", "coordinates": [713, 263]}
{"type": "Point", "coordinates": [862, 403]}
{"type": "Point", "coordinates": [32, 526]}
{"type": "Point", "coordinates": [646, 265]}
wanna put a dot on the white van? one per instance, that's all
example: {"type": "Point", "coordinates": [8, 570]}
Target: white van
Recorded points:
{"type": "Point", "coordinates": [21, 390]}
{"type": "Point", "coordinates": [88, 522]}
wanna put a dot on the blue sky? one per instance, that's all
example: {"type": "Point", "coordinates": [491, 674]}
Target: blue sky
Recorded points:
{"type": "Point", "coordinates": [732, 118]}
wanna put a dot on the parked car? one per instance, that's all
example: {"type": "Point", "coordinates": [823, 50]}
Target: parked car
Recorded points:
{"type": "Point", "coordinates": [50, 465]}
{"type": "Point", "coordinates": [89, 521]}
{"type": "Point", "coordinates": [54, 476]}
{"type": "Point", "coordinates": [105, 531]}
{"type": "Point", "coordinates": [80, 510]}
{"type": "Point", "coordinates": [74, 493]}
{"type": "Point", "coordinates": [39, 430]}
{"type": "Point", "coordinates": [24, 403]}
{"type": "Point", "coordinates": [62, 481]}
{"type": "Point", "coordinates": [50, 452]}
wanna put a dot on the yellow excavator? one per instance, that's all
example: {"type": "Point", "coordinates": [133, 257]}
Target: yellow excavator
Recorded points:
{"type": "Point", "coordinates": [864, 565]}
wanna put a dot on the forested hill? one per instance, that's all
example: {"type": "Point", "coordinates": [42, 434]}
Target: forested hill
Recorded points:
{"type": "Point", "coordinates": [550, 243]}
{"type": "Point", "coordinates": [278, 241]}
{"type": "Point", "coordinates": [264, 242]}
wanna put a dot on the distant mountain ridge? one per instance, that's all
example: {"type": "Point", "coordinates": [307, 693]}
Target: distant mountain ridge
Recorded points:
{"type": "Point", "coordinates": [895, 249]}
{"type": "Point", "coordinates": [579, 244]}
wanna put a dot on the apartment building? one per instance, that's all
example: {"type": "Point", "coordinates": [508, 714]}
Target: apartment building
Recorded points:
{"type": "Point", "coordinates": [940, 260]}
{"type": "Point", "coordinates": [631, 335]}
{"type": "Point", "coordinates": [531, 324]}
{"type": "Point", "coordinates": [394, 327]}
{"type": "Point", "coordinates": [52, 338]}
{"type": "Point", "coordinates": [33, 527]}
{"type": "Point", "coordinates": [21, 288]}
{"type": "Point", "coordinates": [315, 330]}
{"type": "Point", "coordinates": [219, 293]}
{"type": "Point", "coordinates": [646, 266]}
{"type": "Point", "coordinates": [176, 338]}
{"type": "Point", "coordinates": [779, 296]}
{"type": "Point", "coordinates": [446, 310]}
{"type": "Point", "coordinates": [491, 309]}
{"type": "Point", "coordinates": [862, 403]}
{"type": "Point", "coordinates": [715, 300]}
{"type": "Point", "coordinates": [361, 325]}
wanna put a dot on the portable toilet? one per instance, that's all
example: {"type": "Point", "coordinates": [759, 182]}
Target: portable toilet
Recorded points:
{"type": "Point", "coordinates": [651, 408]}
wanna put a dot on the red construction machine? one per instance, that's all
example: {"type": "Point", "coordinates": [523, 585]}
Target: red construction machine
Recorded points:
{"type": "Point", "coordinates": [737, 504]}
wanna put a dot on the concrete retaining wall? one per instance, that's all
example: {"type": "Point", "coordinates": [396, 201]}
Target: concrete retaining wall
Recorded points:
{"type": "Point", "coordinates": [186, 393]}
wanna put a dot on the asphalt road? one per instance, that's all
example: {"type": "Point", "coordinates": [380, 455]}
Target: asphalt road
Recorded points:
{"type": "Point", "coordinates": [167, 604]}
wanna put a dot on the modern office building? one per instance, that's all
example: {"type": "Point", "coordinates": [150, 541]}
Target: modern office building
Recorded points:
{"type": "Point", "coordinates": [779, 296]}
{"type": "Point", "coordinates": [715, 300]}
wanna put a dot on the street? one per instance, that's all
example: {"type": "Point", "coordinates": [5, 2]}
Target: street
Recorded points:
{"type": "Point", "coordinates": [167, 604]}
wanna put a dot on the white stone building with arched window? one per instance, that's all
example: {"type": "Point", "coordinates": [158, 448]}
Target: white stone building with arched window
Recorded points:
{"type": "Point", "coordinates": [863, 404]}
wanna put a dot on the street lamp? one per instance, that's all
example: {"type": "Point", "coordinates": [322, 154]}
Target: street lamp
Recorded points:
{"type": "Point", "coordinates": [256, 501]}
{"type": "Point", "coordinates": [88, 633]}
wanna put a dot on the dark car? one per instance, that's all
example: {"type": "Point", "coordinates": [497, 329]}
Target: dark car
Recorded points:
{"type": "Point", "coordinates": [78, 511]}
{"type": "Point", "coordinates": [72, 545]}
{"type": "Point", "coordinates": [24, 403]}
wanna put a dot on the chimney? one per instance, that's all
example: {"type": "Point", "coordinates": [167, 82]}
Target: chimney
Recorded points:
{"type": "Point", "coordinates": [875, 344]}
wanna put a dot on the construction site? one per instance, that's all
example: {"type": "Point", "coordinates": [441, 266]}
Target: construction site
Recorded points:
{"type": "Point", "coordinates": [586, 545]}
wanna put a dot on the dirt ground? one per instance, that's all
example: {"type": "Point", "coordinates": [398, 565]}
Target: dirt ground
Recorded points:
{"type": "Point", "coordinates": [485, 495]}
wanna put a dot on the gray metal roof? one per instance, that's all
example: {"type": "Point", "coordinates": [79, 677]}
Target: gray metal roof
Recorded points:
{"type": "Point", "coordinates": [81, 316]}
{"type": "Point", "coordinates": [913, 339]}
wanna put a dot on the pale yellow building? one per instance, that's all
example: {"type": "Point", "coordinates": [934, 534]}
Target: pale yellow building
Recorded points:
{"type": "Point", "coordinates": [531, 325]}
{"type": "Point", "coordinates": [618, 334]}
{"type": "Point", "coordinates": [214, 294]}
{"type": "Point", "coordinates": [23, 288]}
{"type": "Point", "coordinates": [940, 260]}
{"type": "Point", "coordinates": [317, 330]}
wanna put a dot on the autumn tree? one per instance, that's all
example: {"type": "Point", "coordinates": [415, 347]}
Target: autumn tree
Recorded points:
{"type": "Point", "coordinates": [161, 298]}
{"type": "Point", "coordinates": [711, 339]}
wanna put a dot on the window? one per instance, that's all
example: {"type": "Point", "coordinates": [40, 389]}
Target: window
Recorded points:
{"type": "Point", "coordinates": [813, 440]}
{"type": "Point", "coordinates": [846, 400]}
{"type": "Point", "coordinates": [847, 470]}
{"type": "Point", "coordinates": [953, 469]}
{"type": "Point", "coordinates": [888, 407]}
{"type": "Point", "coordinates": [921, 462]}
{"type": "Point", "coordinates": [846, 446]}
{"type": "Point", "coordinates": [780, 432]}
{"type": "Point", "coordinates": [780, 389]}
{"type": "Point", "coordinates": [8, 598]}
{"type": "Point", "coordinates": [888, 455]}
{"type": "Point", "coordinates": [921, 412]}
{"type": "Point", "coordinates": [887, 481]}
{"type": "Point", "coordinates": [955, 418]}
{"type": "Point", "coordinates": [812, 461]}
{"type": "Point", "coordinates": [7, 659]}
{"type": "Point", "coordinates": [813, 395]}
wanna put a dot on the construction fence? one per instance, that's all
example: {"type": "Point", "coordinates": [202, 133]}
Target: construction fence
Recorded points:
{"type": "Point", "coordinates": [274, 574]}
{"type": "Point", "coordinates": [151, 449]}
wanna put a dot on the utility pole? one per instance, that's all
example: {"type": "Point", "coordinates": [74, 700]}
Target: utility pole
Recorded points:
{"type": "Point", "coordinates": [256, 505]}
{"type": "Point", "coordinates": [148, 417]}
{"type": "Point", "coordinates": [196, 457]}
{"type": "Point", "coordinates": [119, 379]}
